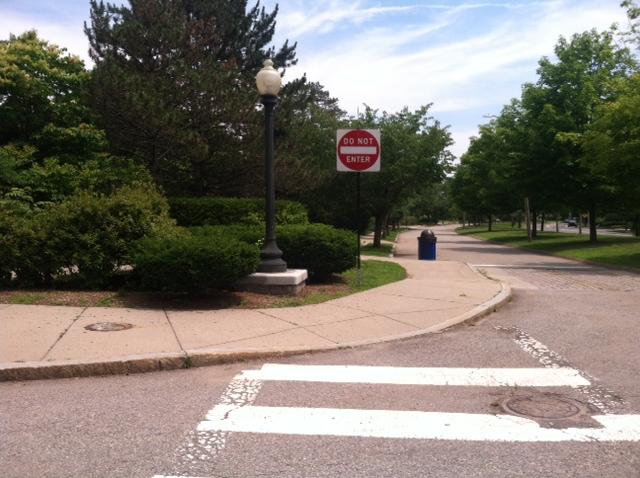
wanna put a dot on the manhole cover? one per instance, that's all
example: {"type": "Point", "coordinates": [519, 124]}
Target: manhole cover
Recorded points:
{"type": "Point", "coordinates": [543, 406]}
{"type": "Point", "coordinates": [108, 326]}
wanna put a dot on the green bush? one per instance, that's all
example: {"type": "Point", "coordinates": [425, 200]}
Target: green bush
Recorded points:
{"type": "Point", "coordinates": [25, 250]}
{"type": "Point", "coordinates": [211, 211]}
{"type": "Point", "coordinates": [321, 249]}
{"type": "Point", "coordinates": [84, 239]}
{"type": "Point", "coordinates": [193, 263]}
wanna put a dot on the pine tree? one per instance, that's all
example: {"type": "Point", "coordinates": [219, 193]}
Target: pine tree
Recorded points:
{"type": "Point", "coordinates": [174, 86]}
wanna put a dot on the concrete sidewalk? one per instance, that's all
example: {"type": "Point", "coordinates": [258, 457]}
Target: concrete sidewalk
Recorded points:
{"type": "Point", "coordinates": [51, 342]}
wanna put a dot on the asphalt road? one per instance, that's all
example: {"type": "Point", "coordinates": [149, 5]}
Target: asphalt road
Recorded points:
{"type": "Point", "coordinates": [564, 316]}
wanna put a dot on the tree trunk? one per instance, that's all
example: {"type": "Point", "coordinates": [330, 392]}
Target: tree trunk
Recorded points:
{"type": "Point", "coordinates": [593, 233]}
{"type": "Point", "coordinates": [580, 223]}
{"type": "Point", "coordinates": [490, 222]}
{"type": "Point", "coordinates": [636, 225]}
{"type": "Point", "coordinates": [534, 223]}
{"type": "Point", "coordinates": [557, 225]}
{"type": "Point", "coordinates": [527, 215]}
{"type": "Point", "coordinates": [519, 221]}
{"type": "Point", "coordinates": [377, 232]}
{"type": "Point", "coordinates": [542, 222]}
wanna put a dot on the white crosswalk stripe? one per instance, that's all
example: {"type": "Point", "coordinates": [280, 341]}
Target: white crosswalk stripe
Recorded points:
{"type": "Point", "coordinates": [479, 377]}
{"type": "Point", "coordinates": [411, 424]}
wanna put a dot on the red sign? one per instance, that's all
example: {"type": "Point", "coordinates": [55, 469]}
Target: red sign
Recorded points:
{"type": "Point", "coordinates": [358, 150]}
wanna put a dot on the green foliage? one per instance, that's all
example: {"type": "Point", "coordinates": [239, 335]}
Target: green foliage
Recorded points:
{"type": "Point", "coordinates": [49, 150]}
{"type": "Point", "coordinates": [544, 145]}
{"type": "Point", "coordinates": [212, 211]}
{"type": "Point", "coordinates": [193, 263]}
{"type": "Point", "coordinates": [482, 184]}
{"type": "Point", "coordinates": [70, 144]}
{"type": "Point", "coordinates": [415, 155]}
{"type": "Point", "coordinates": [174, 85]}
{"type": "Point", "coordinates": [612, 145]}
{"type": "Point", "coordinates": [24, 251]}
{"type": "Point", "coordinates": [39, 84]}
{"type": "Point", "coordinates": [632, 35]}
{"type": "Point", "coordinates": [84, 239]}
{"type": "Point", "coordinates": [321, 249]}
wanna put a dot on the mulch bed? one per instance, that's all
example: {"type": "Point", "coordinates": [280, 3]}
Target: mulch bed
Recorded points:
{"type": "Point", "coordinates": [215, 299]}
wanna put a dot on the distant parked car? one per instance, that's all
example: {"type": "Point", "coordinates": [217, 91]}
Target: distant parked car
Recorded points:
{"type": "Point", "coordinates": [572, 223]}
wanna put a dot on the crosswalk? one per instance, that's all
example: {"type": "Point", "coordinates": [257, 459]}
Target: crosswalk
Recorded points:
{"type": "Point", "coordinates": [234, 416]}
{"type": "Point", "coordinates": [236, 412]}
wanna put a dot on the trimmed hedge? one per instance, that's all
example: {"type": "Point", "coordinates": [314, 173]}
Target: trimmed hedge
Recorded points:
{"type": "Point", "coordinates": [321, 249]}
{"type": "Point", "coordinates": [193, 263]}
{"type": "Point", "coordinates": [212, 211]}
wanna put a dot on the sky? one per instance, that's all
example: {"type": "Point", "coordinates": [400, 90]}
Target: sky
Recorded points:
{"type": "Point", "coordinates": [466, 57]}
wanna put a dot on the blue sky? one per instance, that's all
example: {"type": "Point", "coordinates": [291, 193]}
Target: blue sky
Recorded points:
{"type": "Point", "coordinates": [467, 57]}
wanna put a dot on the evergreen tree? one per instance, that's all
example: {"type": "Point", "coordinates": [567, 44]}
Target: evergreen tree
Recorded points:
{"type": "Point", "coordinates": [174, 86]}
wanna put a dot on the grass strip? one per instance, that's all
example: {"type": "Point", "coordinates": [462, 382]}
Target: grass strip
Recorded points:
{"type": "Point", "coordinates": [384, 250]}
{"type": "Point", "coordinates": [374, 274]}
{"type": "Point", "coordinates": [609, 250]}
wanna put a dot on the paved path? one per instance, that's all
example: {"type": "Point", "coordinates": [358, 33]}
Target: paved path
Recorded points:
{"type": "Point", "coordinates": [50, 341]}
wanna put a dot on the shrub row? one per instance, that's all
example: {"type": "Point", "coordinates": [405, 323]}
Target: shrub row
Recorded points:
{"type": "Point", "coordinates": [212, 211]}
{"type": "Point", "coordinates": [86, 239]}
{"type": "Point", "coordinates": [321, 249]}
{"type": "Point", "coordinates": [192, 263]}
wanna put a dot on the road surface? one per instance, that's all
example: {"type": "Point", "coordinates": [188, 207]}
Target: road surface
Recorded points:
{"type": "Point", "coordinates": [564, 353]}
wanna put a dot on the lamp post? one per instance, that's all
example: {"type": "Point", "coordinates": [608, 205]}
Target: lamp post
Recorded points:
{"type": "Point", "coordinates": [268, 82]}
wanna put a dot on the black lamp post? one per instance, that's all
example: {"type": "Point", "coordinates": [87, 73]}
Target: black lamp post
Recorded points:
{"type": "Point", "coordinates": [268, 81]}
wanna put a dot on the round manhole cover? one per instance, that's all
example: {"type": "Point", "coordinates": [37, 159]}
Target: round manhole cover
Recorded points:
{"type": "Point", "coordinates": [108, 327]}
{"type": "Point", "coordinates": [545, 407]}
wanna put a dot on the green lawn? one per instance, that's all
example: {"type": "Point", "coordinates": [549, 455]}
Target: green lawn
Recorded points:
{"type": "Point", "coordinates": [384, 250]}
{"type": "Point", "coordinates": [393, 234]}
{"type": "Point", "coordinates": [612, 250]}
{"type": "Point", "coordinates": [373, 274]}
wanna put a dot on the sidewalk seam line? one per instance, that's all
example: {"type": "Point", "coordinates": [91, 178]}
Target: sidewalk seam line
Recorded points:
{"type": "Point", "coordinates": [404, 323]}
{"type": "Point", "coordinates": [247, 338]}
{"type": "Point", "coordinates": [63, 334]}
{"type": "Point", "coordinates": [304, 327]}
{"type": "Point", "coordinates": [174, 332]}
{"type": "Point", "coordinates": [370, 314]}
{"type": "Point", "coordinates": [426, 298]}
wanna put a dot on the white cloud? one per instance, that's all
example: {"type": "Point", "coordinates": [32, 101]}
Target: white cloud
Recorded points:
{"type": "Point", "coordinates": [70, 36]}
{"type": "Point", "coordinates": [388, 69]}
{"type": "Point", "coordinates": [362, 52]}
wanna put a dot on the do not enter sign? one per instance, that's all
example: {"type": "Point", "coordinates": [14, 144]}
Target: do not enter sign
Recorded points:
{"type": "Point", "coordinates": [358, 150]}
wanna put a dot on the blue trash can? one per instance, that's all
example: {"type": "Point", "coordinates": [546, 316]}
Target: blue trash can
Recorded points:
{"type": "Point", "coordinates": [427, 245]}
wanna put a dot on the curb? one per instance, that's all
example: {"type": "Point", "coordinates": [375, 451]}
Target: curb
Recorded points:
{"type": "Point", "coordinates": [19, 371]}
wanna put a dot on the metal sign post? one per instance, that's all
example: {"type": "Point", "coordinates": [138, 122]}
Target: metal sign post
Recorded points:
{"type": "Point", "coordinates": [358, 150]}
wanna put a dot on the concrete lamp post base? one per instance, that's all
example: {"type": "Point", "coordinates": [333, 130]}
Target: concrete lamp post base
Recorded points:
{"type": "Point", "coordinates": [290, 282]}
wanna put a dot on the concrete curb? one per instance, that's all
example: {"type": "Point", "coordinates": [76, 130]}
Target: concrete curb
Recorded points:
{"type": "Point", "coordinates": [130, 364]}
